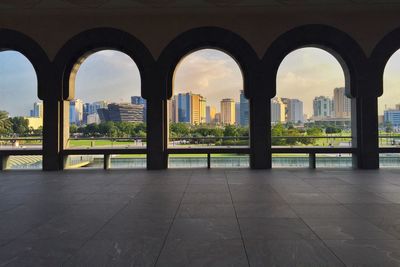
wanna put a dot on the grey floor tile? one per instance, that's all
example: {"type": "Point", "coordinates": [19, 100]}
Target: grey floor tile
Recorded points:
{"type": "Point", "coordinates": [208, 210]}
{"type": "Point", "coordinates": [368, 253]}
{"type": "Point", "coordinates": [264, 210]}
{"type": "Point", "coordinates": [207, 188]}
{"type": "Point", "coordinates": [290, 253]}
{"type": "Point", "coordinates": [322, 211]}
{"type": "Point", "coordinates": [127, 228]}
{"type": "Point", "coordinates": [38, 252]}
{"type": "Point", "coordinates": [275, 229]}
{"type": "Point", "coordinates": [204, 228]}
{"type": "Point", "coordinates": [333, 228]}
{"type": "Point", "coordinates": [194, 252]}
{"type": "Point", "coordinates": [375, 210]}
{"type": "Point", "coordinates": [201, 198]}
{"type": "Point", "coordinates": [358, 198]}
{"type": "Point", "coordinates": [308, 198]}
{"type": "Point", "coordinates": [132, 252]}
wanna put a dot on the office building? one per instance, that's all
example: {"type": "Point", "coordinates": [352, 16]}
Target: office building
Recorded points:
{"type": "Point", "coordinates": [322, 107]}
{"type": "Point", "coordinates": [295, 111]}
{"type": "Point", "coordinates": [76, 112]}
{"type": "Point", "coordinates": [278, 110]}
{"type": "Point", "coordinates": [244, 110]}
{"type": "Point", "coordinates": [392, 116]}
{"type": "Point", "coordinates": [341, 103]}
{"type": "Point", "coordinates": [210, 114]}
{"type": "Point", "coordinates": [37, 110]}
{"type": "Point", "coordinates": [184, 106]}
{"type": "Point", "coordinates": [122, 112]}
{"type": "Point", "coordinates": [228, 111]}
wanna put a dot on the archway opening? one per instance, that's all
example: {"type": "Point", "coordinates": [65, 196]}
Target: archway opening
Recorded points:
{"type": "Point", "coordinates": [208, 110]}
{"type": "Point", "coordinates": [389, 112]}
{"type": "Point", "coordinates": [107, 111]}
{"type": "Point", "coordinates": [21, 111]}
{"type": "Point", "coordinates": [311, 109]}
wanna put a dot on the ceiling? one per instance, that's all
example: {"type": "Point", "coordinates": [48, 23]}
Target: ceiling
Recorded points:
{"type": "Point", "coordinates": [103, 4]}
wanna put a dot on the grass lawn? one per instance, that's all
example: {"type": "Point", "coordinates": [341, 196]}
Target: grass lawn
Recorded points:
{"type": "Point", "coordinates": [97, 143]}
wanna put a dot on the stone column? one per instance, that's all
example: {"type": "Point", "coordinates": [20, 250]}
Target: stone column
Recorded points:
{"type": "Point", "coordinates": [260, 133]}
{"type": "Point", "coordinates": [365, 132]}
{"type": "Point", "coordinates": [156, 134]}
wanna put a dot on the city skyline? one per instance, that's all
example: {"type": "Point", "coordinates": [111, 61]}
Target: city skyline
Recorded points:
{"type": "Point", "coordinates": [310, 71]}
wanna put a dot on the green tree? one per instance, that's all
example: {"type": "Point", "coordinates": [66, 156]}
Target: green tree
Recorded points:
{"type": "Point", "coordinates": [5, 123]}
{"type": "Point", "coordinates": [180, 129]}
{"type": "Point", "coordinates": [20, 125]}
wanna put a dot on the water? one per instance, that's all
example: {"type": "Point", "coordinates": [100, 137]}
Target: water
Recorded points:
{"type": "Point", "coordinates": [344, 161]}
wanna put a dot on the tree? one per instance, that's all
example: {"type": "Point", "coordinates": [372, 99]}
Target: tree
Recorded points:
{"type": "Point", "coordinates": [20, 125]}
{"type": "Point", "coordinates": [180, 129]}
{"type": "Point", "coordinates": [5, 123]}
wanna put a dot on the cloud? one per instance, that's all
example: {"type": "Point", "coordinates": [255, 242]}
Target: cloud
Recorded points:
{"type": "Point", "coordinates": [211, 73]}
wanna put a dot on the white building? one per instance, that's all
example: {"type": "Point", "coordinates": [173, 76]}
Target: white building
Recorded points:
{"type": "Point", "coordinates": [322, 107]}
{"type": "Point", "coordinates": [295, 111]}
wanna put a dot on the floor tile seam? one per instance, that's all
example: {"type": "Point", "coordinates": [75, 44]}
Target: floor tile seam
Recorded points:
{"type": "Point", "coordinates": [319, 238]}
{"type": "Point", "coordinates": [85, 241]}
{"type": "Point", "coordinates": [237, 221]}
{"type": "Point", "coordinates": [171, 224]}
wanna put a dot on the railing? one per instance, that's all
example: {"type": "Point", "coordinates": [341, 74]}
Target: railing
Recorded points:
{"type": "Point", "coordinates": [337, 145]}
{"type": "Point", "coordinates": [389, 140]}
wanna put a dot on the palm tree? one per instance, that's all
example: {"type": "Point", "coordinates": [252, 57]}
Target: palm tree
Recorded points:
{"type": "Point", "coordinates": [5, 123]}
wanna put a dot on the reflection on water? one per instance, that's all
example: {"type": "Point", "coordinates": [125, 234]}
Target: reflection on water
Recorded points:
{"type": "Point", "coordinates": [200, 161]}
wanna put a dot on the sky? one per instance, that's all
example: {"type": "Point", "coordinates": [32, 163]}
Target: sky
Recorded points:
{"type": "Point", "coordinates": [113, 76]}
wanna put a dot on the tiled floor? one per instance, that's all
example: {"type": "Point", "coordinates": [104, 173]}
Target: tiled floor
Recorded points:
{"type": "Point", "coordinates": [200, 218]}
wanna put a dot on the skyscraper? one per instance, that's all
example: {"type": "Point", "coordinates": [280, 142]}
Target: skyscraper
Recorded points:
{"type": "Point", "coordinates": [278, 110]}
{"type": "Point", "coordinates": [75, 111]}
{"type": "Point", "coordinates": [295, 111]}
{"type": "Point", "coordinates": [173, 109]}
{"type": "Point", "coordinates": [210, 114]}
{"type": "Point", "coordinates": [237, 112]}
{"type": "Point", "coordinates": [244, 109]}
{"type": "Point", "coordinates": [37, 110]}
{"type": "Point", "coordinates": [203, 103]}
{"type": "Point", "coordinates": [227, 111]}
{"type": "Point", "coordinates": [138, 100]}
{"type": "Point", "coordinates": [183, 107]}
{"type": "Point", "coordinates": [322, 107]}
{"type": "Point", "coordinates": [341, 103]}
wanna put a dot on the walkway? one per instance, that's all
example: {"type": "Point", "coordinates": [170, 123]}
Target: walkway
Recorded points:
{"type": "Point", "coordinates": [200, 218]}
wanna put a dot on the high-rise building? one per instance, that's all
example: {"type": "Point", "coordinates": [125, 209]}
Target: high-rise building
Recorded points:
{"type": "Point", "coordinates": [217, 119]}
{"type": "Point", "coordinates": [244, 109]}
{"type": "Point", "coordinates": [183, 107]}
{"type": "Point", "coordinates": [295, 111]}
{"type": "Point", "coordinates": [237, 113]}
{"type": "Point", "coordinates": [37, 110]}
{"type": "Point", "coordinates": [173, 109]}
{"type": "Point", "coordinates": [210, 114]}
{"type": "Point", "coordinates": [138, 100]}
{"type": "Point", "coordinates": [76, 111]}
{"type": "Point", "coordinates": [392, 116]}
{"type": "Point", "coordinates": [197, 109]}
{"type": "Point", "coordinates": [341, 103]}
{"type": "Point", "coordinates": [228, 111]}
{"type": "Point", "coordinates": [322, 107]}
{"type": "Point", "coordinates": [278, 110]}
{"type": "Point", "coordinates": [203, 104]}
{"type": "Point", "coordinates": [122, 112]}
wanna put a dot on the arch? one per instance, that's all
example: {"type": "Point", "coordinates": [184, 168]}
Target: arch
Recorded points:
{"type": "Point", "coordinates": [212, 38]}
{"type": "Point", "coordinates": [14, 40]}
{"type": "Point", "coordinates": [82, 45]}
{"type": "Point", "coordinates": [349, 54]}
{"type": "Point", "coordinates": [381, 55]}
